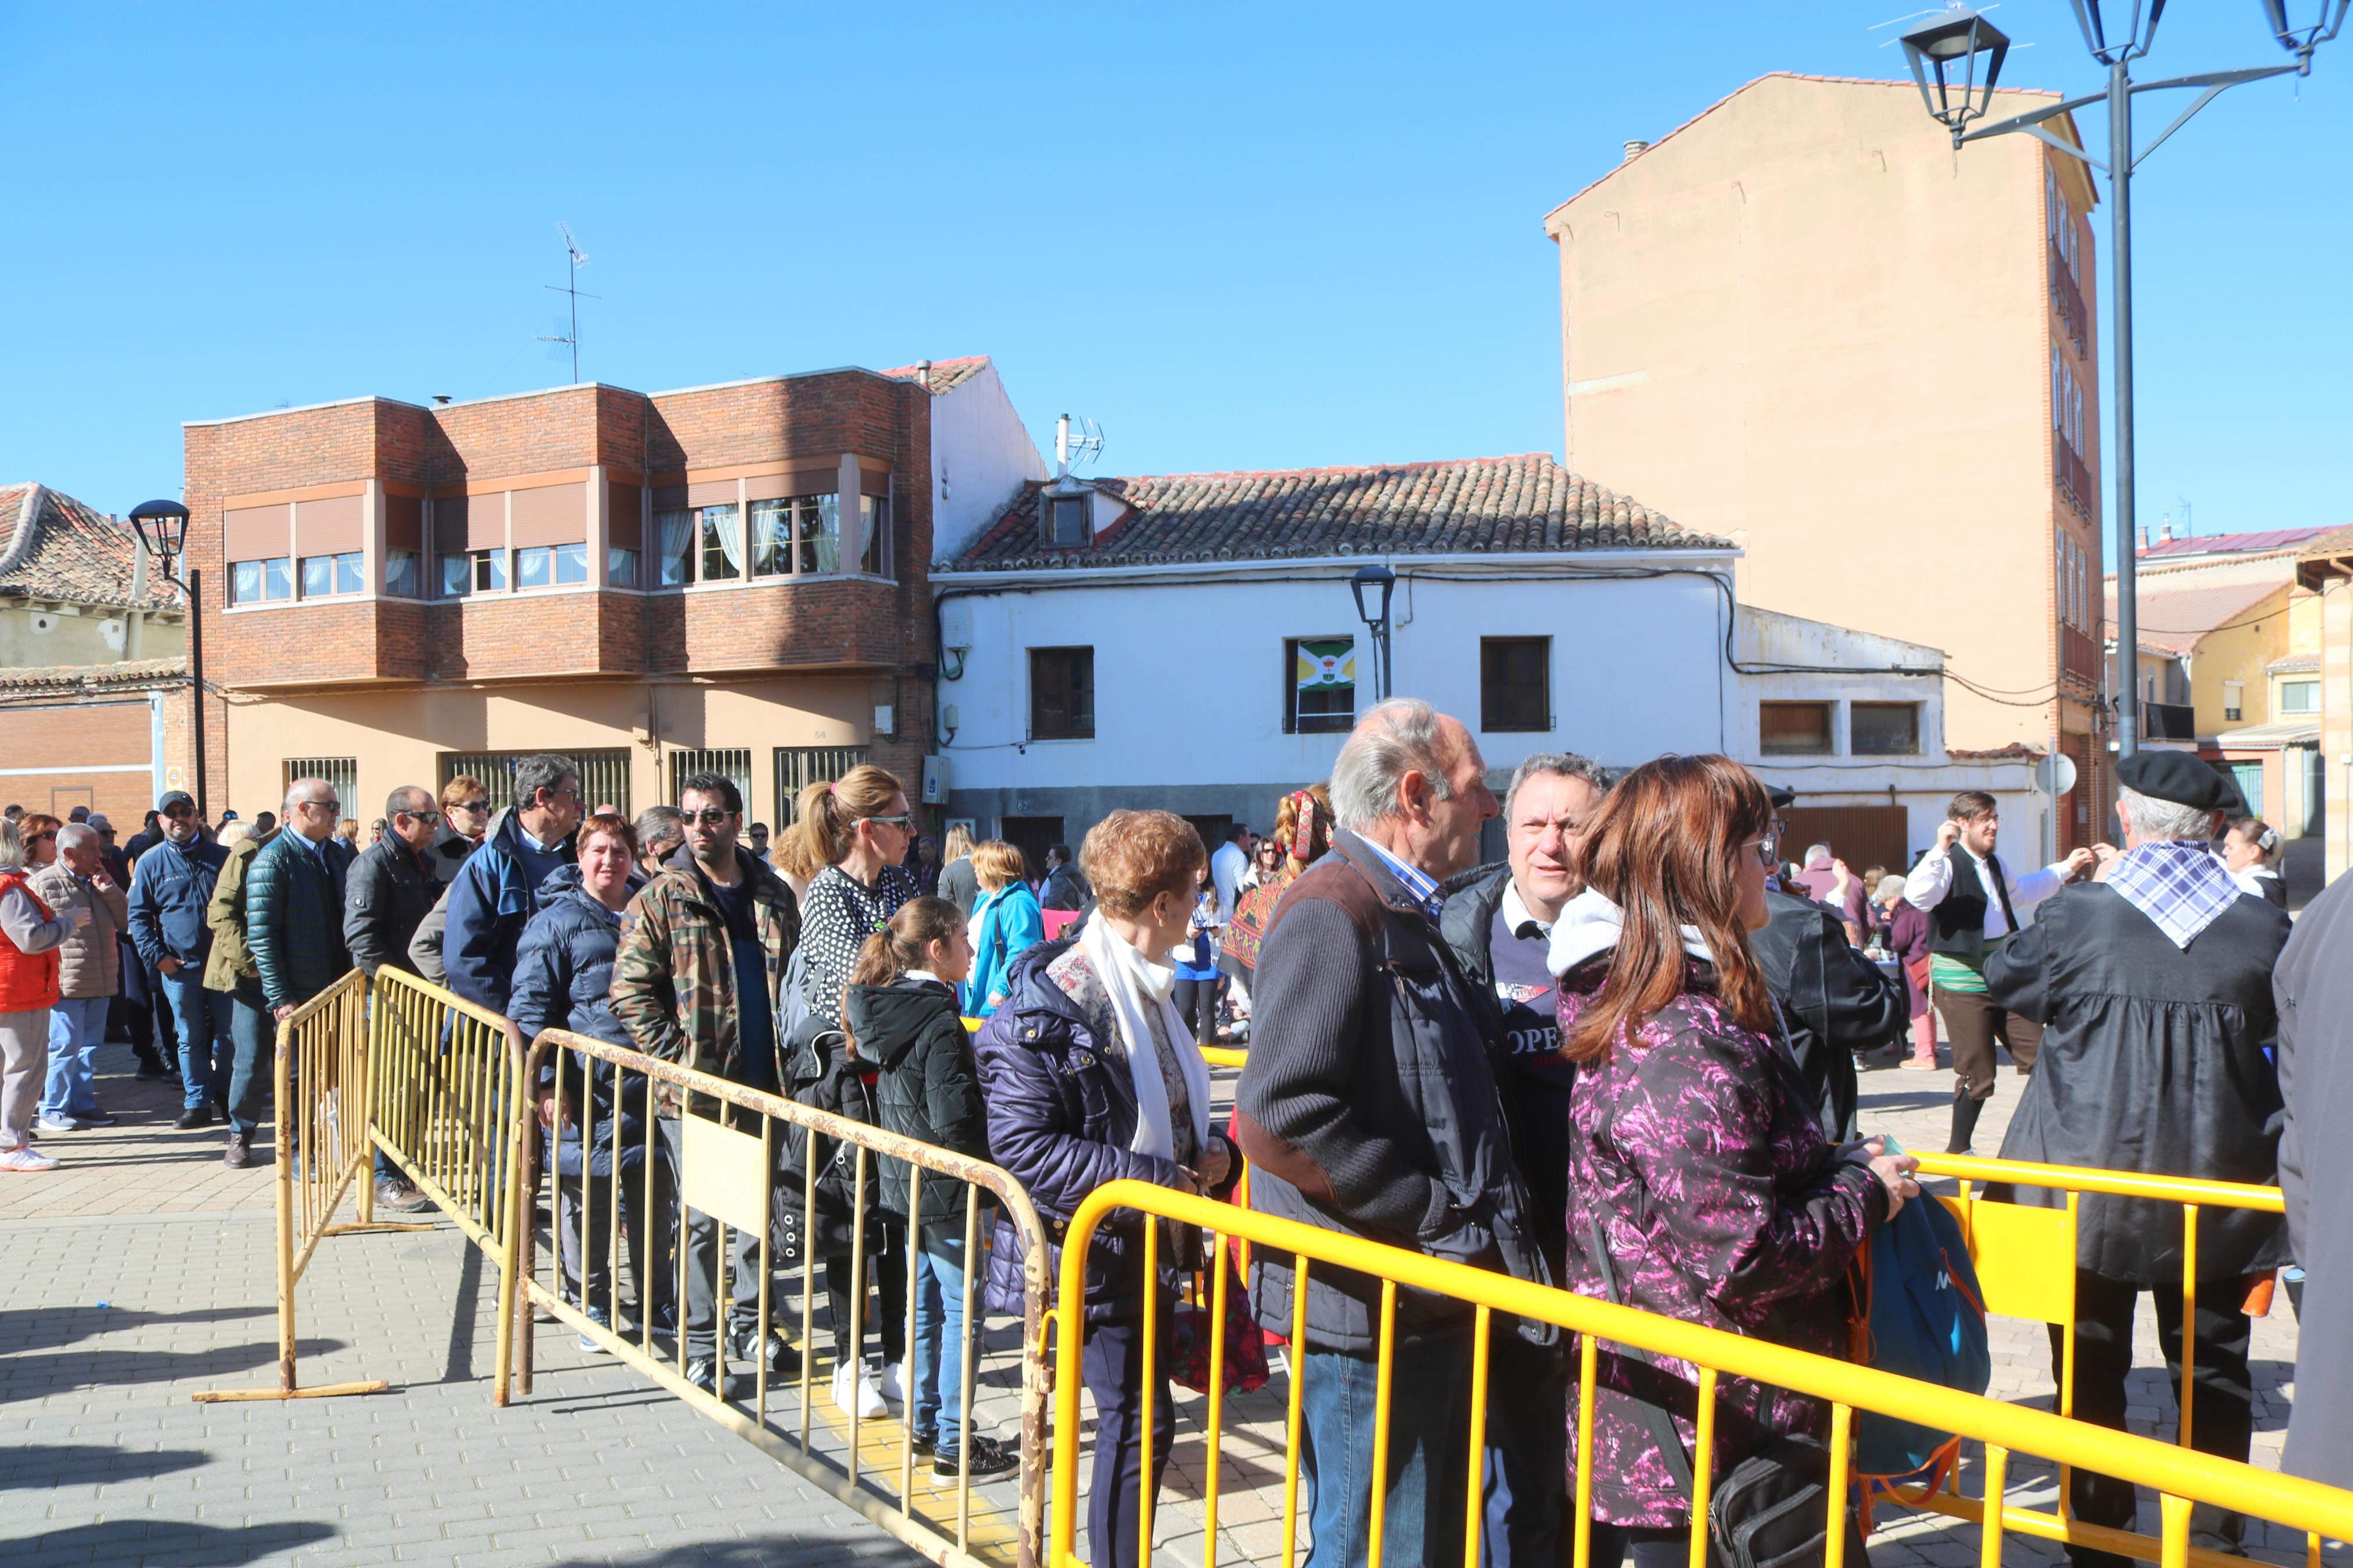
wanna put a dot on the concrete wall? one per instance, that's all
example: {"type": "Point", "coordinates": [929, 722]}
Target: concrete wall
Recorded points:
{"type": "Point", "coordinates": [1804, 322]}
{"type": "Point", "coordinates": [981, 453]}
{"type": "Point", "coordinates": [32, 636]}
{"type": "Point", "coordinates": [2241, 652]}
{"type": "Point", "coordinates": [1190, 680]}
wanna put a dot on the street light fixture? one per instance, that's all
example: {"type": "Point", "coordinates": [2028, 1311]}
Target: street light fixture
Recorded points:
{"type": "Point", "coordinates": [1948, 48]}
{"type": "Point", "coordinates": [1372, 585]}
{"type": "Point", "coordinates": [163, 529]}
{"type": "Point", "coordinates": [1951, 44]}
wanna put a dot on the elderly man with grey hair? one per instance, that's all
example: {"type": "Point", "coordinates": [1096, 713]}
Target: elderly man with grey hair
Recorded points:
{"type": "Point", "coordinates": [2153, 986]}
{"type": "Point", "coordinates": [1370, 1107]}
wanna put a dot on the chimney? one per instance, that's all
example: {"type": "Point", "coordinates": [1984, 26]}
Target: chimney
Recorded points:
{"type": "Point", "coordinates": [1635, 149]}
{"type": "Point", "coordinates": [2165, 529]}
{"type": "Point", "coordinates": [2144, 536]}
{"type": "Point", "coordinates": [923, 373]}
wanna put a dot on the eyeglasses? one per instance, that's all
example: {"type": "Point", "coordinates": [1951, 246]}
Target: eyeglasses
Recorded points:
{"type": "Point", "coordinates": [331, 807]}
{"type": "Point", "coordinates": [709, 817]}
{"type": "Point", "coordinates": [42, 839]}
{"type": "Point", "coordinates": [901, 823]}
{"type": "Point", "coordinates": [179, 813]}
{"type": "Point", "coordinates": [1767, 850]}
{"type": "Point", "coordinates": [429, 819]}
{"type": "Point", "coordinates": [479, 807]}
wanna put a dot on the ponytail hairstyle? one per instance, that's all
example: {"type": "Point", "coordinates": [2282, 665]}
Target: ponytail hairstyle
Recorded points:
{"type": "Point", "coordinates": [829, 813]}
{"type": "Point", "coordinates": [905, 941]}
{"type": "Point", "coordinates": [1664, 846]}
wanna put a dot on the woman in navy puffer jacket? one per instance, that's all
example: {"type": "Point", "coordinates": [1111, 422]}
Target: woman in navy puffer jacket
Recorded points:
{"type": "Point", "coordinates": [562, 980]}
{"type": "Point", "coordinates": [1090, 1077]}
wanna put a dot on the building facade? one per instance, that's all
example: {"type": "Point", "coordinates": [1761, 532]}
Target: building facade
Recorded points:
{"type": "Point", "coordinates": [730, 578]}
{"type": "Point", "coordinates": [1801, 322]}
{"type": "Point", "coordinates": [93, 679]}
{"type": "Point", "coordinates": [2325, 568]}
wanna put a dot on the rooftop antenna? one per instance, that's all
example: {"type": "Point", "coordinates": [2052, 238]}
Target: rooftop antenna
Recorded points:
{"type": "Point", "coordinates": [567, 328]}
{"type": "Point", "coordinates": [1075, 447]}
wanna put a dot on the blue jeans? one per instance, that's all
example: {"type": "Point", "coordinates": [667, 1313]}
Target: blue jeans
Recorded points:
{"type": "Point", "coordinates": [77, 1024]}
{"type": "Point", "coordinates": [206, 1049]}
{"type": "Point", "coordinates": [1429, 1435]}
{"type": "Point", "coordinates": [937, 1375]}
{"type": "Point", "coordinates": [253, 1075]}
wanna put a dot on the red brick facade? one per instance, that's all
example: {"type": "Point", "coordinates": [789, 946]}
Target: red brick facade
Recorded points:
{"type": "Point", "coordinates": [850, 624]}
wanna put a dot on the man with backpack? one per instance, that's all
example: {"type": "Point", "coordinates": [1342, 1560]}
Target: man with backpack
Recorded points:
{"type": "Point", "coordinates": [2153, 990]}
{"type": "Point", "coordinates": [695, 982]}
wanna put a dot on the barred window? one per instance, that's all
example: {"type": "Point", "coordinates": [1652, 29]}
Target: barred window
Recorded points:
{"type": "Point", "coordinates": [342, 773]}
{"type": "Point", "coordinates": [604, 775]}
{"type": "Point", "coordinates": [798, 767]}
{"type": "Point", "coordinates": [733, 763]}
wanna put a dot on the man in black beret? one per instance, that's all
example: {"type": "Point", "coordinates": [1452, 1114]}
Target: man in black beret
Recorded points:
{"type": "Point", "coordinates": [2153, 985]}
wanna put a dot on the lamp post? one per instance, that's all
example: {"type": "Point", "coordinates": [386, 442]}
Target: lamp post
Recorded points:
{"type": "Point", "coordinates": [1947, 51]}
{"type": "Point", "coordinates": [163, 528]}
{"type": "Point", "coordinates": [1373, 585]}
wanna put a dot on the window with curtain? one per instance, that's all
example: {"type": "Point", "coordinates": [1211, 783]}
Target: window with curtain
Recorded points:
{"type": "Point", "coordinates": [874, 523]}
{"type": "Point", "coordinates": [404, 573]}
{"type": "Point", "coordinates": [722, 542]}
{"type": "Point", "coordinates": [324, 576]}
{"type": "Point", "coordinates": [674, 547]}
{"type": "Point", "coordinates": [621, 567]}
{"type": "Point", "coordinates": [772, 536]}
{"type": "Point", "coordinates": [256, 582]}
{"type": "Point", "coordinates": [818, 529]}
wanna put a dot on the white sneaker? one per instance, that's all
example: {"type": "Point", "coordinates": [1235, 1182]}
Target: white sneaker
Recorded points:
{"type": "Point", "coordinates": [55, 1124]}
{"type": "Point", "coordinates": [894, 1382]}
{"type": "Point", "coordinates": [865, 1401]}
{"type": "Point", "coordinates": [28, 1159]}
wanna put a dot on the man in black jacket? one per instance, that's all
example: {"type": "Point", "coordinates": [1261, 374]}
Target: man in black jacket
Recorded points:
{"type": "Point", "coordinates": [2154, 991]}
{"type": "Point", "coordinates": [2313, 988]}
{"type": "Point", "coordinates": [1369, 1106]}
{"type": "Point", "coordinates": [386, 895]}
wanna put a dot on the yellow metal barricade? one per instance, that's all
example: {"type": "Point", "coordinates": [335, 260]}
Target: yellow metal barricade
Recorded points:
{"type": "Point", "coordinates": [1224, 1056]}
{"type": "Point", "coordinates": [706, 1171]}
{"type": "Point", "coordinates": [322, 1103]}
{"type": "Point", "coordinates": [449, 1112]}
{"type": "Point", "coordinates": [2181, 1476]}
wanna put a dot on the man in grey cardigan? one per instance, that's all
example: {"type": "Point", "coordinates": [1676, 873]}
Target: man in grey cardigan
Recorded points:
{"type": "Point", "coordinates": [2313, 988]}
{"type": "Point", "coordinates": [1369, 1106]}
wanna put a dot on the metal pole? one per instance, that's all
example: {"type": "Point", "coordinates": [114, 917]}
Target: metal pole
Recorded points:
{"type": "Point", "coordinates": [2120, 330]}
{"type": "Point", "coordinates": [196, 679]}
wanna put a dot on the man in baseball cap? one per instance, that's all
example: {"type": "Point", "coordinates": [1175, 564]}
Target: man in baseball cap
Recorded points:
{"type": "Point", "coordinates": [2153, 985]}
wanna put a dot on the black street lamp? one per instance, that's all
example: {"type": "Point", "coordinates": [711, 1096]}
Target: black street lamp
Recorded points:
{"type": "Point", "coordinates": [1948, 46]}
{"type": "Point", "coordinates": [163, 527]}
{"type": "Point", "coordinates": [1373, 585]}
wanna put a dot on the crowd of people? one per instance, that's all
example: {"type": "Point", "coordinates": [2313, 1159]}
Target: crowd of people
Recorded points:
{"type": "Point", "coordinates": [1621, 1061]}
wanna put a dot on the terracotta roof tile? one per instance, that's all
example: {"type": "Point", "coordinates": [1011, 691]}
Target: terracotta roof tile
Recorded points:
{"type": "Point", "coordinates": [948, 374]}
{"type": "Point", "coordinates": [54, 547]}
{"type": "Point", "coordinates": [1476, 505]}
{"type": "Point", "coordinates": [2229, 543]}
{"type": "Point", "coordinates": [2177, 622]}
{"type": "Point", "coordinates": [71, 679]}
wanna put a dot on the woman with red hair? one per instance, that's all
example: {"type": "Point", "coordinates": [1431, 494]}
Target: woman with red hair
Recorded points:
{"type": "Point", "coordinates": [1699, 1184]}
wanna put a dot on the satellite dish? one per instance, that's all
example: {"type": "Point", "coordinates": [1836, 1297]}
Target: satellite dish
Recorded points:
{"type": "Point", "coordinates": [2055, 775]}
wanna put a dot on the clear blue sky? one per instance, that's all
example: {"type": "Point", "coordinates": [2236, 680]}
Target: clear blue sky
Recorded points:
{"type": "Point", "coordinates": [1239, 236]}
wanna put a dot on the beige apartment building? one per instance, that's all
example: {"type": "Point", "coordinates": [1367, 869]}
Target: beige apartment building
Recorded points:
{"type": "Point", "coordinates": [1801, 321]}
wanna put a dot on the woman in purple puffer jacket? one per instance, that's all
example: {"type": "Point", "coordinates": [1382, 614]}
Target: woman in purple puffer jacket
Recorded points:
{"type": "Point", "coordinates": [1694, 1149]}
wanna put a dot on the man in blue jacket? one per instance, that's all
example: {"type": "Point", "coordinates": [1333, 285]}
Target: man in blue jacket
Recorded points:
{"type": "Point", "coordinates": [169, 889]}
{"type": "Point", "coordinates": [496, 890]}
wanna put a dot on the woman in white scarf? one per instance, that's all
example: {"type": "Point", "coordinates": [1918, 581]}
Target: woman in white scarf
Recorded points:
{"type": "Point", "coordinates": [1089, 1076]}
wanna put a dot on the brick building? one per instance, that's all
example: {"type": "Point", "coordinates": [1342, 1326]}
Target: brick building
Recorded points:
{"type": "Point", "coordinates": [730, 576]}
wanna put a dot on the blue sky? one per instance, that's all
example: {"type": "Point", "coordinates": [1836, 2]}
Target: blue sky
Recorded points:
{"type": "Point", "coordinates": [1238, 236]}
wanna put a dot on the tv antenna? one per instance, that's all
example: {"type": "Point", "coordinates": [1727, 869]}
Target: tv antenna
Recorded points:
{"type": "Point", "coordinates": [567, 328]}
{"type": "Point", "coordinates": [1077, 442]}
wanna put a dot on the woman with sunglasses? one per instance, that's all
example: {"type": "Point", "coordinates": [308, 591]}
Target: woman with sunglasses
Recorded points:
{"type": "Point", "coordinates": [1700, 1185]}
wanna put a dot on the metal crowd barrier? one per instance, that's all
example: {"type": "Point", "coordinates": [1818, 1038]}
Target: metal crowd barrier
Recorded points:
{"type": "Point", "coordinates": [450, 1113]}
{"type": "Point", "coordinates": [2025, 1257]}
{"type": "Point", "coordinates": [323, 1106]}
{"type": "Point", "coordinates": [2182, 1476]}
{"type": "Point", "coordinates": [716, 1149]}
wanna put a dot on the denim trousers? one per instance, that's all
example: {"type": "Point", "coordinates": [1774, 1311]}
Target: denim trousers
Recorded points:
{"type": "Point", "coordinates": [935, 1372]}
{"type": "Point", "coordinates": [77, 1024]}
{"type": "Point", "coordinates": [253, 1078]}
{"type": "Point", "coordinates": [1112, 1367]}
{"type": "Point", "coordinates": [1428, 1452]}
{"type": "Point", "coordinates": [207, 1048]}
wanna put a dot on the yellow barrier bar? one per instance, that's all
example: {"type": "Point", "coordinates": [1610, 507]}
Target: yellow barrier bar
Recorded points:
{"type": "Point", "coordinates": [1290, 1355]}
{"type": "Point", "coordinates": [1842, 1454]}
{"type": "Point", "coordinates": [1587, 1377]}
{"type": "Point", "coordinates": [2181, 1473]}
{"type": "Point", "coordinates": [1481, 1333]}
{"type": "Point", "coordinates": [2189, 1396]}
{"type": "Point", "coordinates": [1217, 1399]}
{"type": "Point", "coordinates": [1703, 1464]}
{"type": "Point", "coordinates": [1997, 1488]}
{"type": "Point", "coordinates": [2116, 1184]}
{"type": "Point", "coordinates": [1384, 1379]}
{"type": "Point", "coordinates": [1223, 1055]}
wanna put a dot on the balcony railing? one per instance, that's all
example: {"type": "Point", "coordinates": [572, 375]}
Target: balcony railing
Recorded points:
{"type": "Point", "coordinates": [2079, 655]}
{"type": "Point", "coordinates": [2169, 721]}
{"type": "Point", "coordinates": [2068, 300]}
{"type": "Point", "coordinates": [2074, 479]}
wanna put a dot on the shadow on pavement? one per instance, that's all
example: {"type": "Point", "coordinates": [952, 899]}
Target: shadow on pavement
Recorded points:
{"type": "Point", "coordinates": [803, 1551]}
{"type": "Point", "coordinates": [162, 1544]}
{"type": "Point", "coordinates": [36, 1465]}
{"type": "Point", "coordinates": [50, 1328]}
{"type": "Point", "coordinates": [42, 1376]}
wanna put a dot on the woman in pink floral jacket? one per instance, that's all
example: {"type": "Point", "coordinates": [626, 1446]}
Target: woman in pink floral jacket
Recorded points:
{"type": "Point", "coordinates": [1695, 1148]}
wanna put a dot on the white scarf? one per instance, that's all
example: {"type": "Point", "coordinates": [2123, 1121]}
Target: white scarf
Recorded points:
{"type": "Point", "coordinates": [1134, 983]}
{"type": "Point", "coordinates": [1591, 923]}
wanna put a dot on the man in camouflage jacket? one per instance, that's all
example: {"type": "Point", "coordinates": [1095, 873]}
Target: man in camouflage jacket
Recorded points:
{"type": "Point", "coordinates": [715, 922]}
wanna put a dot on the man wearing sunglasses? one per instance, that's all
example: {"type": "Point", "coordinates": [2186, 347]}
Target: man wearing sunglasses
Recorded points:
{"type": "Point", "coordinates": [496, 890]}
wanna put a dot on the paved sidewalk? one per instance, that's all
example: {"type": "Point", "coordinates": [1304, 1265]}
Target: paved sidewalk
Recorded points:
{"type": "Point", "coordinates": [141, 1273]}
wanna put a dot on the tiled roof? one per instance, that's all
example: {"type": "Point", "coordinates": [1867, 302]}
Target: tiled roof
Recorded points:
{"type": "Point", "coordinates": [2178, 621]}
{"type": "Point", "coordinates": [54, 547]}
{"type": "Point", "coordinates": [948, 374]}
{"type": "Point", "coordinates": [2016, 750]}
{"type": "Point", "coordinates": [1474, 505]}
{"type": "Point", "coordinates": [2294, 664]}
{"type": "Point", "coordinates": [73, 679]}
{"type": "Point", "coordinates": [2229, 543]}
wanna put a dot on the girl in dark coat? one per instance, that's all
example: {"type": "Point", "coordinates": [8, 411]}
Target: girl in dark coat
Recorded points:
{"type": "Point", "coordinates": [562, 977]}
{"type": "Point", "coordinates": [901, 1008]}
{"type": "Point", "coordinates": [1090, 1077]}
{"type": "Point", "coordinates": [1695, 1158]}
